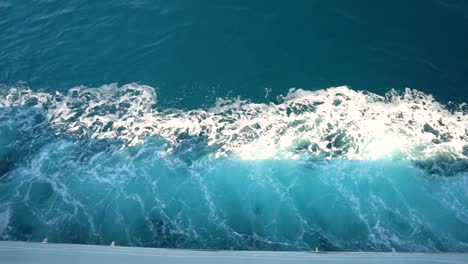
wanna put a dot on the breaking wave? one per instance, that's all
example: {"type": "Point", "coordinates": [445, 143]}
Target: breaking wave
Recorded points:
{"type": "Point", "coordinates": [335, 123]}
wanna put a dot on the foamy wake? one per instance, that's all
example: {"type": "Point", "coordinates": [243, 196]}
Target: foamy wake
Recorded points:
{"type": "Point", "coordinates": [326, 124]}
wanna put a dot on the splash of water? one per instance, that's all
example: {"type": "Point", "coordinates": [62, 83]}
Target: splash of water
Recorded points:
{"type": "Point", "coordinates": [325, 124]}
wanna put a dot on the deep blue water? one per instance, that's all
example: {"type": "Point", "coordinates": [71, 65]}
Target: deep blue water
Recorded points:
{"type": "Point", "coordinates": [173, 124]}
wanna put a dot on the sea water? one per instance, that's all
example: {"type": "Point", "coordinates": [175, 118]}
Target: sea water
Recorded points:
{"type": "Point", "coordinates": [258, 125]}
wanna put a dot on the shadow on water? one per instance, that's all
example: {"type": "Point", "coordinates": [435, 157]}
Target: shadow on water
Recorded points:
{"type": "Point", "coordinates": [23, 131]}
{"type": "Point", "coordinates": [443, 166]}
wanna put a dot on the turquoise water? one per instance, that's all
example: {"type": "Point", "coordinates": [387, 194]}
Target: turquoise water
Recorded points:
{"type": "Point", "coordinates": [173, 124]}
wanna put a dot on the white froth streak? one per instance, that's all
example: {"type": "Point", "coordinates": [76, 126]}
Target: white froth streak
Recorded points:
{"type": "Point", "coordinates": [332, 123]}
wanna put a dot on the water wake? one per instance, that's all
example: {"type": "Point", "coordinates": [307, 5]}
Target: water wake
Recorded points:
{"type": "Point", "coordinates": [325, 124]}
{"type": "Point", "coordinates": [336, 169]}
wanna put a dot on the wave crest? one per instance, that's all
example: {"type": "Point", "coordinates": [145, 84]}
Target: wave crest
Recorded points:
{"type": "Point", "coordinates": [333, 123]}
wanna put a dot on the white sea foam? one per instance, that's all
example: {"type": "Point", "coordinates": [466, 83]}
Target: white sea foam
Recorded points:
{"type": "Point", "coordinates": [332, 123]}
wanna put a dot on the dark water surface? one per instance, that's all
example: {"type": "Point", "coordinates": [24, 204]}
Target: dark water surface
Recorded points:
{"type": "Point", "coordinates": [191, 50]}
